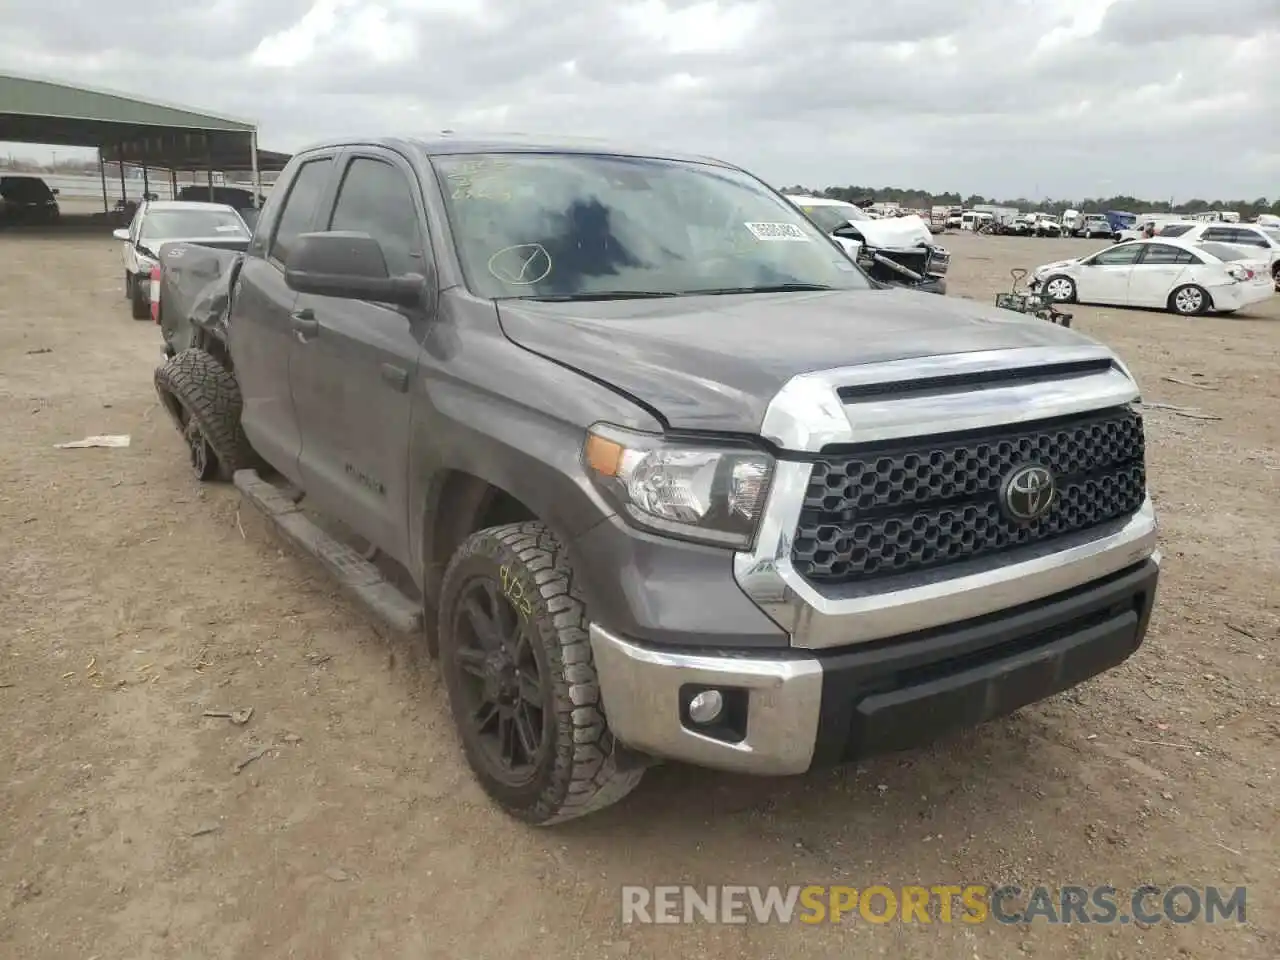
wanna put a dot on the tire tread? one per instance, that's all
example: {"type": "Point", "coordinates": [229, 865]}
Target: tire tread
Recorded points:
{"type": "Point", "coordinates": [589, 773]}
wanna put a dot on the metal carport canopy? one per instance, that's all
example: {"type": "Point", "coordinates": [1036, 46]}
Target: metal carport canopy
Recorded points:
{"type": "Point", "coordinates": [127, 128]}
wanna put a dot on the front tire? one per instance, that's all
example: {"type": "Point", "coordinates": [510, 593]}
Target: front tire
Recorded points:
{"type": "Point", "coordinates": [1060, 289]}
{"type": "Point", "coordinates": [522, 685]}
{"type": "Point", "coordinates": [1190, 300]}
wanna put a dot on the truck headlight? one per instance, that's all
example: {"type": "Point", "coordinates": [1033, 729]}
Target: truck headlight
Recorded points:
{"type": "Point", "coordinates": [708, 492]}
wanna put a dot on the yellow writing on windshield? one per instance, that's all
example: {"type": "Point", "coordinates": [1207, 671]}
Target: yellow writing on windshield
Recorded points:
{"type": "Point", "coordinates": [479, 179]}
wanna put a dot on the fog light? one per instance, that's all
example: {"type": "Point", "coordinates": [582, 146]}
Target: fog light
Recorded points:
{"type": "Point", "coordinates": [705, 707]}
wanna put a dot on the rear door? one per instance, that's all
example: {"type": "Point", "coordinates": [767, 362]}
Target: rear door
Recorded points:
{"type": "Point", "coordinates": [1161, 268]}
{"type": "Point", "coordinates": [352, 375]}
{"type": "Point", "coordinates": [263, 337]}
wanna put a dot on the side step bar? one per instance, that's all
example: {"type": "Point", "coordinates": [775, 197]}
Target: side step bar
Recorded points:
{"type": "Point", "coordinates": [357, 575]}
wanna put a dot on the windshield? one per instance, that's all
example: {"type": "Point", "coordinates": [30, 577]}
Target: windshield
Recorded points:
{"type": "Point", "coordinates": [177, 224]}
{"type": "Point", "coordinates": [1224, 252]}
{"type": "Point", "coordinates": [831, 216]}
{"type": "Point", "coordinates": [578, 225]}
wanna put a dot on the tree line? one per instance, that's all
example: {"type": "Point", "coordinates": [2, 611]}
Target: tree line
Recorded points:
{"type": "Point", "coordinates": [922, 200]}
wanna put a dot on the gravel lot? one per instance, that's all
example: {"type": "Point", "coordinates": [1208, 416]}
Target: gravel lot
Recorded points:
{"type": "Point", "coordinates": [134, 599]}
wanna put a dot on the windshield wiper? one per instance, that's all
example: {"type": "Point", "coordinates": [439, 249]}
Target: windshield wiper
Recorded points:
{"type": "Point", "coordinates": [610, 295]}
{"type": "Point", "coordinates": [770, 288]}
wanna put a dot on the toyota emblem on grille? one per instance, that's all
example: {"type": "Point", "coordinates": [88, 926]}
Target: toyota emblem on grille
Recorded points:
{"type": "Point", "coordinates": [1028, 492]}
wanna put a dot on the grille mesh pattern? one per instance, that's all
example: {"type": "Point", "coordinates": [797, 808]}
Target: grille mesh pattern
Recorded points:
{"type": "Point", "coordinates": [925, 503]}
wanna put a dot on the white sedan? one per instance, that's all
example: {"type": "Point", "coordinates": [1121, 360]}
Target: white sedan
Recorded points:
{"type": "Point", "coordinates": [158, 222]}
{"type": "Point", "coordinates": [1187, 278]}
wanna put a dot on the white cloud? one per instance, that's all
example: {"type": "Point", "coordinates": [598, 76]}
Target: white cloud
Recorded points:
{"type": "Point", "coordinates": [1004, 97]}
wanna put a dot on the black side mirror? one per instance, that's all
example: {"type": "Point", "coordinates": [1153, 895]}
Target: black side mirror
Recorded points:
{"type": "Point", "coordinates": [847, 231]}
{"type": "Point", "coordinates": [349, 265]}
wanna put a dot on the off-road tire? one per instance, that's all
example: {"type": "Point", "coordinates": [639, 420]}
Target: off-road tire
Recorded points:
{"type": "Point", "coordinates": [193, 385]}
{"type": "Point", "coordinates": [584, 769]}
{"type": "Point", "coordinates": [139, 308]}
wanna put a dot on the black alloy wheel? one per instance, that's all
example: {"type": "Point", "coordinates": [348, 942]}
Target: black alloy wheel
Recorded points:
{"type": "Point", "coordinates": [505, 697]}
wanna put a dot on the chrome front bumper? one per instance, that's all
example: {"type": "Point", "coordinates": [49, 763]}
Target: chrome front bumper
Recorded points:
{"type": "Point", "coordinates": [799, 710]}
{"type": "Point", "coordinates": [641, 690]}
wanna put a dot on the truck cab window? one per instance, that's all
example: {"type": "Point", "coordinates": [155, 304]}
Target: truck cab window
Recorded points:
{"type": "Point", "coordinates": [375, 198]}
{"type": "Point", "coordinates": [300, 206]}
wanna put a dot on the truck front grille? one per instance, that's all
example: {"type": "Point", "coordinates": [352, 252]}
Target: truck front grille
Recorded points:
{"type": "Point", "coordinates": [888, 508]}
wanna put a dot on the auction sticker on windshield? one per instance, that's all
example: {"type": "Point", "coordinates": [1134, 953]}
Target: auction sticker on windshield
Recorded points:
{"type": "Point", "coordinates": [777, 231]}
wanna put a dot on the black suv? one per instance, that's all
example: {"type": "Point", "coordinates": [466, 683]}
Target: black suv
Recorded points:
{"type": "Point", "coordinates": [26, 199]}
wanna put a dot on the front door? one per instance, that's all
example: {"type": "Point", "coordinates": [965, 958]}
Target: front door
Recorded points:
{"type": "Point", "coordinates": [1105, 277]}
{"type": "Point", "coordinates": [353, 375]}
{"type": "Point", "coordinates": [261, 310]}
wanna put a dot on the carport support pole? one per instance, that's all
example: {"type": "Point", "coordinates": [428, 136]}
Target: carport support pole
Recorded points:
{"type": "Point", "coordinates": [253, 159]}
{"type": "Point", "coordinates": [208, 164]}
{"type": "Point", "coordinates": [120, 154]}
{"type": "Point", "coordinates": [146, 182]}
{"type": "Point", "coordinates": [173, 184]}
{"type": "Point", "coordinates": [102, 172]}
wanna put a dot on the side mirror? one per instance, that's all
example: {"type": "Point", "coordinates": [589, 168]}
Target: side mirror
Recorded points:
{"type": "Point", "coordinates": [121, 234]}
{"type": "Point", "coordinates": [848, 232]}
{"type": "Point", "coordinates": [349, 265]}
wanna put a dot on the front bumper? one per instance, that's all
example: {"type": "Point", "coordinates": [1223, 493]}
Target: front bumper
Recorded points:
{"type": "Point", "coordinates": [788, 711]}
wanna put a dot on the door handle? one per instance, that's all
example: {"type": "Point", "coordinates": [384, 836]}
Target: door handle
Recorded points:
{"type": "Point", "coordinates": [304, 322]}
{"type": "Point", "coordinates": [398, 377]}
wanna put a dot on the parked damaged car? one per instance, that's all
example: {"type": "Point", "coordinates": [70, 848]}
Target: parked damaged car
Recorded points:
{"type": "Point", "coordinates": [897, 250]}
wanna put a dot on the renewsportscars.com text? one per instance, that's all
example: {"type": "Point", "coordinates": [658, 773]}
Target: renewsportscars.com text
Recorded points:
{"type": "Point", "coordinates": [937, 903]}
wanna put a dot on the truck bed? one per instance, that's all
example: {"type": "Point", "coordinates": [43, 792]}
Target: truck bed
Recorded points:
{"type": "Point", "coordinates": [195, 289]}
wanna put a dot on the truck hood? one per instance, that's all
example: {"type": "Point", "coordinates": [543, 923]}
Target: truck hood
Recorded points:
{"type": "Point", "coordinates": [894, 233]}
{"type": "Point", "coordinates": [714, 363]}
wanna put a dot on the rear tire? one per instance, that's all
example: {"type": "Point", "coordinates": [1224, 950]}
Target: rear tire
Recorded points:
{"type": "Point", "coordinates": [1190, 300]}
{"type": "Point", "coordinates": [203, 399]}
{"type": "Point", "coordinates": [522, 686]}
{"type": "Point", "coordinates": [138, 306]}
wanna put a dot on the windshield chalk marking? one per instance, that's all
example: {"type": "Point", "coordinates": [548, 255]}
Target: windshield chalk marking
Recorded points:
{"type": "Point", "coordinates": [520, 277]}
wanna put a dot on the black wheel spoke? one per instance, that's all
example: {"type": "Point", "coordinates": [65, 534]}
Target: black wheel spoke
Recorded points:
{"type": "Point", "coordinates": [530, 688]}
{"type": "Point", "coordinates": [508, 739]}
{"type": "Point", "coordinates": [485, 714]}
{"type": "Point", "coordinates": [506, 623]}
{"type": "Point", "coordinates": [530, 733]}
{"type": "Point", "coordinates": [482, 625]}
{"type": "Point", "coordinates": [471, 661]}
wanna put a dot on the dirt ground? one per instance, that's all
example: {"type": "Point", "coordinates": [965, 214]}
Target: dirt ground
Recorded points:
{"type": "Point", "coordinates": [134, 599]}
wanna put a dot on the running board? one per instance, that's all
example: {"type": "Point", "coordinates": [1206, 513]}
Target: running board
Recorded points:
{"type": "Point", "coordinates": [357, 575]}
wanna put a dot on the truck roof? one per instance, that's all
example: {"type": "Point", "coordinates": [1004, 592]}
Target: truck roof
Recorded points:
{"type": "Point", "coordinates": [440, 145]}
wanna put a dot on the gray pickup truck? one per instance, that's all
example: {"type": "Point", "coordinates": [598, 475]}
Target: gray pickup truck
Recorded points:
{"type": "Point", "coordinates": [662, 472]}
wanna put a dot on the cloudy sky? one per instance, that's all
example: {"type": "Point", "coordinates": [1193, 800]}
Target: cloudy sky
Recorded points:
{"type": "Point", "coordinates": [1041, 98]}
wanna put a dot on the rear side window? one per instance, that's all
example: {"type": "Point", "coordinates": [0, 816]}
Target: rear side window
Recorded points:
{"type": "Point", "coordinates": [375, 198]}
{"type": "Point", "coordinates": [1175, 229]}
{"type": "Point", "coordinates": [1161, 253]}
{"type": "Point", "coordinates": [1225, 253]}
{"type": "Point", "coordinates": [1219, 234]}
{"type": "Point", "coordinates": [1250, 237]}
{"type": "Point", "coordinates": [300, 206]}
